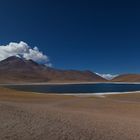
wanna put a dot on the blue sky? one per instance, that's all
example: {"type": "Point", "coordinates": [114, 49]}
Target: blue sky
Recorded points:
{"type": "Point", "coordinates": [102, 36]}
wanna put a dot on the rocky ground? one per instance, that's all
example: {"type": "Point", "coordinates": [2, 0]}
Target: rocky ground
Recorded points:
{"type": "Point", "coordinates": [28, 116]}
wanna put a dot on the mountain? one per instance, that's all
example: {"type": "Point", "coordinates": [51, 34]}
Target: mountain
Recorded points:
{"type": "Point", "coordinates": [127, 78]}
{"type": "Point", "coordinates": [15, 70]}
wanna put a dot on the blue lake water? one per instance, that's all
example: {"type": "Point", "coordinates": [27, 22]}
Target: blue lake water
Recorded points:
{"type": "Point", "coordinates": [78, 88]}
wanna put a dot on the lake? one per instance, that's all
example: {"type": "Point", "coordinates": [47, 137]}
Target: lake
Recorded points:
{"type": "Point", "coordinates": [78, 88]}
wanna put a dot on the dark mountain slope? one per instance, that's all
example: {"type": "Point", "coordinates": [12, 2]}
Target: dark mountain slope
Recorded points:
{"type": "Point", "coordinates": [14, 70]}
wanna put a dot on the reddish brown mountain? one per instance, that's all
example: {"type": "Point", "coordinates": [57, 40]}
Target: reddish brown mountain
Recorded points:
{"type": "Point", "coordinates": [127, 78]}
{"type": "Point", "coordinates": [14, 70]}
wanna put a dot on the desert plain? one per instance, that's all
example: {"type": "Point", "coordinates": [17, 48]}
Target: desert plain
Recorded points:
{"type": "Point", "coordinates": [34, 116]}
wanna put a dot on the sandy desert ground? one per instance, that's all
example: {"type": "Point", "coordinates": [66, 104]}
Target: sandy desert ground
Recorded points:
{"type": "Point", "coordinates": [29, 116]}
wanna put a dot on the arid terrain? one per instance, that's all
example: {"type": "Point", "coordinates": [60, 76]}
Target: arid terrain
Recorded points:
{"type": "Point", "coordinates": [30, 116]}
{"type": "Point", "coordinates": [28, 71]}
{"type": "Point", "coordinates": [127, 78]}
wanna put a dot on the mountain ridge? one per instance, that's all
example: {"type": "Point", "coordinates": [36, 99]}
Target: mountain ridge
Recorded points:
{"type": "Point", "coordinates": [127, 78]}
{"type": "Point", "coordinates": [17, 70]}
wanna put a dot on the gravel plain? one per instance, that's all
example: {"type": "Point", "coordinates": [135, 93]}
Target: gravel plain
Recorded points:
{"type": "Point", "coordinates": [29, 116]}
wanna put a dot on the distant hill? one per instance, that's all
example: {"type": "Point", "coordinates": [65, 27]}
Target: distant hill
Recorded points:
{"type": "Point", "coordinates": [18, 70]}
{"type": "Point", "coordinates": [127, 78]}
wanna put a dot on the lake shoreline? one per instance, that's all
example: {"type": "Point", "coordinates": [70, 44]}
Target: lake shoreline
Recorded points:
{"type": "Point", "coordinates": [78, 89]}
{"type": "Point", "coordinates": [67, 83]}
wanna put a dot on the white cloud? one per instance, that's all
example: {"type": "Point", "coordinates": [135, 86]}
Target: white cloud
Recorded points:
{"type": "Point", "coordinates": [23, 50]}
{"type": "Point", "coordinates": [107, 76]}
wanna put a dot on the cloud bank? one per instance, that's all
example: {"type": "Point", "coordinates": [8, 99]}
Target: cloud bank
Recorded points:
{"type": "Point", "coordinates": [107, 76]}
{"type": "Point", "coordinates": [23, 50]}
